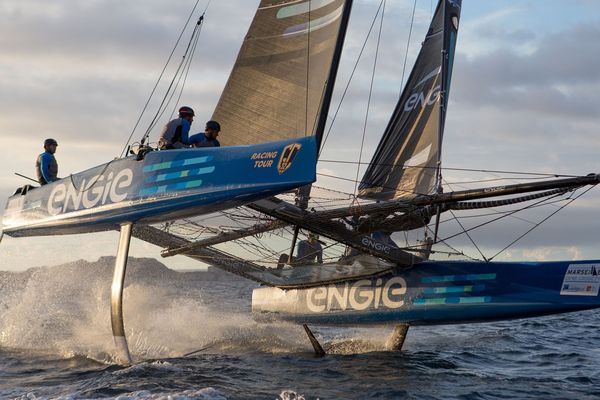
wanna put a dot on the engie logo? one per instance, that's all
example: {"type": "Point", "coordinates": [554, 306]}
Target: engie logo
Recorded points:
{"type": "Point", "coordinates": [287, 157]}
{"type": "Point", "coordinates": [367, 241]}
{"type": "Point", "coordinates": [420, 99]}
{"type": "Point", "coordinates": [358, 296]}
{"type": "Point", "coordinates": [98, 190]}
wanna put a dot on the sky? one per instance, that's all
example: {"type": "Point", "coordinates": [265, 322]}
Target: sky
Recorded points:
{"type": "Point", "coordinates": [524, 96]}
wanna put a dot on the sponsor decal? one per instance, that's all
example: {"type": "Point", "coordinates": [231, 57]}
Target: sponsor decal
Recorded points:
{"type": "Point", "coordinates": [422, 99]}
{"type": "Point", "coordinates": [264, 159]}
{"type": "Point", "coordinates": [373, 244]}
{"type": "Point", "coordinates": [358, 296]}
{"type": "Point", "coordinates": [287, 157]}
{"type": "Point", "coordinates": [99, 190]}
{"type": "Point", "coordinates": [417, 100]}
{"type": "Point", "coordinates": [581, 280]}
{"type": "Point", "coordinates": [494, 189]}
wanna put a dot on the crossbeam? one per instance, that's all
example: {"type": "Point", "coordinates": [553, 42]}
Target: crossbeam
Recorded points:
{"type": "Point", "coordinates": [211, 256]}
{"type": "Point", "coordinates": [334, 230]}
{"type": "Point", "coordinates": [224, 237]}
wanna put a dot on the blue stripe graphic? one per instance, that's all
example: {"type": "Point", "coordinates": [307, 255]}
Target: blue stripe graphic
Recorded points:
{"type": "Point", "coordinates": [458, 278]}
{"type": "Point", "coordinates": [166, 188]}
{"type": "Point", "coordinates": [176, 163]}
{"type": "Point", "coordinates": [454, 289]}
{"type": "Point", "coordinates": [180, 174]}
{"type": "Point", "coordinates": [453, 300]}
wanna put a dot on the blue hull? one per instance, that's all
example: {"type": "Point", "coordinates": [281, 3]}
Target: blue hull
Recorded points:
{"type": "Point", "coordinates": [435, 292]}
{"type": "Point", "coordinates": [165, 185]}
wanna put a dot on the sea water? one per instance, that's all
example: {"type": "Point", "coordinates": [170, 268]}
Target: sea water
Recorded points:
{"type": "Point", "coordinates": [56, 343]}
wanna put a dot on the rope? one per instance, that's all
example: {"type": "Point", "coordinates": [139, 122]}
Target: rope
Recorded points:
{"type": "Point", "coordinates": [159, 78]}
{"type": "Point", "coordinates": [189, 64]}
{"type": "Point", "coordinates": [541, 222]}
{"type": "Point", "coordinates": [307, 70]}
{"type": "Point", "coordinates": [385, 187]}
{"type": "Point", "coordinates": [550, 175]}
{"type": "Point", "coordinates": [499, 218]}
{"type": "Point", "coordinates": [95, 181]}
{"type": "Point", "coordinates": [412, 20]}
{"type": "Point", "coordinates": [364, 133]}
{"type": "Point", "coordinates": [350, 79]}
{"type": "Point", "coordinates": [163, 104]}
{"type": "Point", "coordinates": [468, 235]}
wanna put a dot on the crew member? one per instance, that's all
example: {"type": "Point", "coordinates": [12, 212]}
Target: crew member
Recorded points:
{"type": "Point", "coordinates": [175, 134]}
{"type": "Point", "coordinates": [46, 166]}
{"type": "Point", "coordinates": [309, 250]}
{"type": "Point", "coordinates": [208, 138]}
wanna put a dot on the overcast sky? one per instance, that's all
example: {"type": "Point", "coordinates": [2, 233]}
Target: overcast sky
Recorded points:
{"type": "Point", "coordinates": [524, 95]}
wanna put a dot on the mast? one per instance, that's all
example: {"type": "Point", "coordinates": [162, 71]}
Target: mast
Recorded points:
{"type": "Point", "coordinates": [304, 192]}
{"type": "Point", "coordinates": [447, 54]}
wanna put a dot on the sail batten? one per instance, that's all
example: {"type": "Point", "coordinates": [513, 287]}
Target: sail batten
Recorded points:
{"type": "Point", "coordinates": [407, 160]}
{"type": "Point", "coordinates": [283, 70]}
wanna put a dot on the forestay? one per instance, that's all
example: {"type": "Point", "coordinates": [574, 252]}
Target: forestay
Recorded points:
{"type": "Point", "coordinates": [277, 85]}
{"type": "Point", "coordinates": [406, 162]}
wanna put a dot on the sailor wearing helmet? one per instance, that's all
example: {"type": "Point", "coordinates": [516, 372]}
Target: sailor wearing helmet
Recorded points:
{"type": "Point", "coordinates": [175, 134]}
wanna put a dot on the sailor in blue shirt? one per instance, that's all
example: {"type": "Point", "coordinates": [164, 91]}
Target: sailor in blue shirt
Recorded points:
{"type": "Point", "coordinates": [309, 250]}
{"type": "Point", "coordinates": [175, 134]}
{"type": "Point", "coordinates": [46, 166]}
{"type": "Point", "coordinates": [208, 138]}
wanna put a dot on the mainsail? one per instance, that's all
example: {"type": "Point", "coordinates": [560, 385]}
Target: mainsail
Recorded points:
{"type": "Point", "coordinates": [287, 63]}
{"type": "Point", "coordinates": [406, 162]}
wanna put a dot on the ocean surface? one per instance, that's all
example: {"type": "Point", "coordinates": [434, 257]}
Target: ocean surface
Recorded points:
{"type": "Point", "coordinates": [56, 343]}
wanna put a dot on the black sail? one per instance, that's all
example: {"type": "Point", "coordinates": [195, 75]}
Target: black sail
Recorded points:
{"type": "Point", "coordinates": [277, 86]}
{"type": "Point", "coordinates": [406, 161]}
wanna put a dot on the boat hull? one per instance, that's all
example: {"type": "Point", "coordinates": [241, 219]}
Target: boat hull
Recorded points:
{"type": "Point", "coordinates": [434, 293]}
{"type": "Point", "coordinates": [164, 185]}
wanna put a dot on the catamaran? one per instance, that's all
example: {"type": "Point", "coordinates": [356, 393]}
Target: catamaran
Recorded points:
{"type": "Point", "coordinates": [274, 109]}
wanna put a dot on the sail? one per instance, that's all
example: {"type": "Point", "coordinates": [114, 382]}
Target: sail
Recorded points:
{"type": "Point", "coordinates": [407, 159]}
{"type": "Point", "coordinates": [277, 86]}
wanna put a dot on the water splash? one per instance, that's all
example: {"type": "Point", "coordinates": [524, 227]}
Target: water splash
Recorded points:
{"type": "Point", "coordinates": [66, 309]}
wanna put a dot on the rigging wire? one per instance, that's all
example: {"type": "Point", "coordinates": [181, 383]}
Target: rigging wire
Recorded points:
{"type": "Point", "coordinates": [549, 175]}
{"type": "Point", "coordinates": [463, 184]}
{"type": "Point", "coordinates": [356, 182]}
{"type": "Point", "coordinates": [541, 222]}
{"type": "Point", "coordinates": [504, 216]}
{"type": "Point", "coordinates": [307, 70]}
{"type": "Point", "coordinates": [364, 133]}
{"type": "Point", "coordinates": [464, 230]}
{"type": "Point", "coordinates": [187, 70]}
{"type": "Point", "coordinates": [333, 119]}
{"type": "Point", "coordinates": [159, 78]}
{"type": "Point", "coordinates": [491, 214]}
{"type": "Point", "coordinates": [164, 104]}
{"type": "Point", "coordinates": [412, 20]}
{"type": "Point", "coordinates": [468, 235]}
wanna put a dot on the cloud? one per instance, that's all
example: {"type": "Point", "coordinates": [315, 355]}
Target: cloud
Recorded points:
{"type": "Point", "coordinates": [561, 76]}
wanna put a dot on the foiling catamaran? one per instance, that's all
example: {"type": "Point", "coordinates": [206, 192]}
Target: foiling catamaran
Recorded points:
{"type": "Point", "coordinates": [274, 110]}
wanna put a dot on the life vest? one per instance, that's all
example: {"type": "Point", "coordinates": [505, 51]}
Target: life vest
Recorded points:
{"type": "Point", "coordinates": [52, 168]}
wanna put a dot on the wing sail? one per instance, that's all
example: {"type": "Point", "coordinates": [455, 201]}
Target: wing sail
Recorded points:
{"type": "Point", "coordinates": [277, 86]}
{"type": "Point", "coordinates": [407, 158]}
